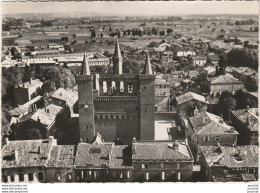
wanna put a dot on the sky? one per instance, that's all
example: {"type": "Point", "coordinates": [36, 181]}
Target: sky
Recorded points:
{"type": "Point", "coordinates": [127, 8]}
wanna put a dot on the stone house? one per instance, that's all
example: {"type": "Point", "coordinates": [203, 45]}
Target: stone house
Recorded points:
{"type": "Point", "coordinates": [221, 163]}
{"type": "Point", "coordinates": [224, 83]}
{"type": "Point", "coordinates": [24, 161]}
{"type": "Point", "coordinates": [161, 161]}
{"type": "Point", "coordinates": [246, 123]}
{"type": "Point", "coordinates": [205, 129]}
{"type": "Point", "coordinates": [186, 103]}
{"type": "Point", "coordinates": [26, 91]}
{"type": "Point", "coordinates": [162, 95]}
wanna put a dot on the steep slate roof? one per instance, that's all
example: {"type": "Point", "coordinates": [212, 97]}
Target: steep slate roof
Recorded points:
{"type": "Point", "coordinates": [244, 114]}
{"type": "Point", "coordinates": [161, 151]}
{"type": "Point", "coordinates": [27, 153]}
{"type": "Point", "coordinates": [147, 66]}
{"type": "Point", "coordinates": [207, 123]}
{"type": "Point", "coordinates": [93, 155]}
{"type": "Point", "coordinates": [61, 156]}
{"type": "Point", "coordinates": [85, 66]}
{"type": "Point", "coordinates": [225, 156]}
{"type": "Point", "coordinates": [224, 79]}
{"type": "Point", "coordinates": [117, 52]}
{"type": "Point", "coordinates": [188, 96]}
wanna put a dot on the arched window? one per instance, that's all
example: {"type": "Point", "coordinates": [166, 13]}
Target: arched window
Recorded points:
{"type": "Point", "coordinates": [130, 87]}
{"type": "Point", "coordinates": [113, 87]}
{"type": "Point", "coordinates": [121, 86]}
{"type": "Point", "coordinates": [104, 87]}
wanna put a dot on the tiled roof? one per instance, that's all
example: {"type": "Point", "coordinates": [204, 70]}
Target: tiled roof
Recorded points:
{"type": "Point", "coordinates": [61, 156]}
{"type": "Point", "coordinates": [225, 79]}
{"type": "Point", "coordinates": [22, 109]}
{"type": "Point", "coordinates": [244, 114]}
{"type": "Point", "coordinates": [234, 178]}
{"type": "Point", "coordinates": [27, 153]}
{"type": "Point", "coordinates": [161, 151]}
{"type": "Point", "coordinates": [93, 155]}
{"type": "Point", "coordinates": [47, 118]}
{"type": "Point", "coordinates": [120, 157]}
{"type": "Point", "coordinates": [70, 96]}
{"type": "Point", "coordinates": [232, 157]}
{"type": "Point", "coordinates": [160, 81]}
{"type": "Point", "coordinates": [213, 57]}
{"type": "Point", "coordinates": [207, 123]}
{"type": "Point", "coordinates": [188, 96]}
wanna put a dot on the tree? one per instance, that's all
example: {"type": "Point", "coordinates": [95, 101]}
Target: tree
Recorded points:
{"type": "Point", "coordinates": [169, 31]}
{"type": "Point", "coordinates": [130, 65]}
{"type": "Point", "coordinates": [243, 57]}
{"type": "Point", "coordinates": [226, 104]}
{"type": "Point", "coordinates": [222, 63]}
{"type": "Point", "coordinates": [51, 74]}
{"type": "Point", "coordinates": [28, 73]}
{"type": "Point", "coordinates": [48, 86]}
{"type": "Point", "coordinates": [64, 39]}
{"type": "Point", "coordinates": [67, 80]}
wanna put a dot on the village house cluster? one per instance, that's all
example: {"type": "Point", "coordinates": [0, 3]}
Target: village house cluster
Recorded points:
{"type": "Point", "coordinates": [154, 115]}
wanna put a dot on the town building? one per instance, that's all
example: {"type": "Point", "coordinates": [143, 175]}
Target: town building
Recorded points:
{"type": "Point", "coordinates": [224, 83]}
{"type": "Point", "coordinates": [248, 76]}
{"type": "Point", "coordinates": [24, 161]}
{"type": "Point", "coordinates": [199, 60]}
{"type": "Point", "coordinates": [186, 103]}
{"type": "Point", "coordinates": [240, 163]}
{"type": "Point", "coordinates": [116, 105]}
{"type": "Point", "coordinates": [246, 123]}
{"type": "Point", "coordinates": [26, 91]}
{"type": "Point", "coordinates": [39, 124]}
{"type": "Point", "coordinates": [60, 165]}
{"type": "Point", "coordinates": [213, 59]}
{"type": "Point", "coordinates": [101, 162]}
{"type": "Point", "coordinates": [162, 161]}
{"type": "Point", "coordinates": [204, 129]}
{"type": "Point", "coordinates": [25, 109]}
{"type": "Point", "coordinates": [162, 95]}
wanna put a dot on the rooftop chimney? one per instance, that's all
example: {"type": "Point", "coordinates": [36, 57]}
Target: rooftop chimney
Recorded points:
{"type": "Point", "coordinates": [134, 150]}
{"type": "Point", "coordinates": [176, 146]}
{"type": "Point", "coordinates": [134, 140]}
{"type": "Point", "coordinates": [248, 120]}
{"type": "Point", "coordinates": [15, 152]}
{"type": "Point", "coordinates": [51, 140]}
{"type": "Point", "coordinates": [6, 141]}
{"type": "Point", "coordinates": [195, 111]}
{"type": "Point", "coordinates": [39, 149]}
{"type": "Point", "coordinates": [232, 129]}
{"type": "Point", "coordinates": [80, 140]}
{"type": "Point", "coordinates": [48, 110]}
{"type": "Point", "coordinates": [38, 119]}
{"type": "Point", "coordinates": [221, 121]}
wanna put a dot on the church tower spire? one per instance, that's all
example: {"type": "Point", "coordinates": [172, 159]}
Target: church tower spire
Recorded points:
{"type": "Point", "coordinates": [85, 66]}
{"type": "Point", "coordinates": [117, 60]}
{"type": "Point", "coordinates": [147, 66]}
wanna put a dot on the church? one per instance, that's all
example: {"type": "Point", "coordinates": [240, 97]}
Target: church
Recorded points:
{"type": "Point", "coordinates": [118, 106]}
